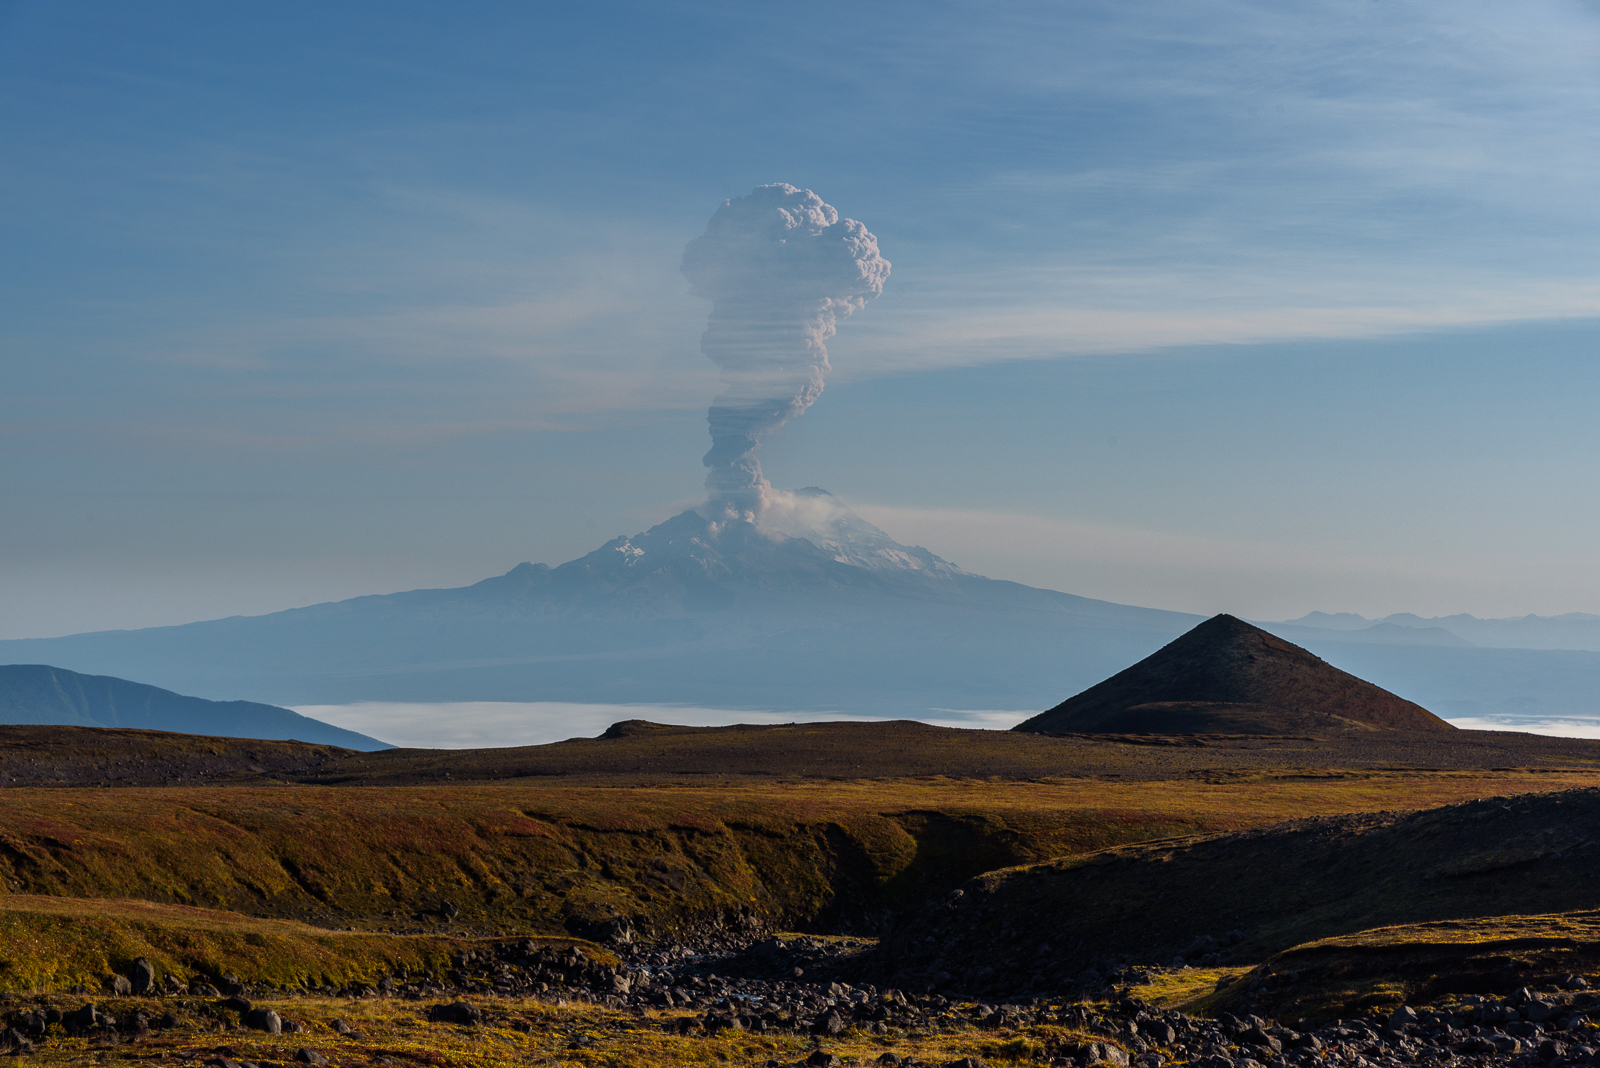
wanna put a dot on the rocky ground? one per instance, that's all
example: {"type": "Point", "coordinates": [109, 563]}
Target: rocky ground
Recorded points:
{"type": "Point", "coordinates": [792, 997]}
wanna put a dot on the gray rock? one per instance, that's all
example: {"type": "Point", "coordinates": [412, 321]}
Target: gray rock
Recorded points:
{"type": "Point", "coordinates": [310, 1056]}
{"type": "Point", "coordinates": [237, 1004]}
{"type": "Point", "coordinates": [118, 985]}
{"type": "Point", "coordinates": [1402, 1017]}
{"type": "Point", "coordinates": [459, 1012]}
{"type": "Point", "coordinates": [1258, 1039]}
{"type": "Point", "coordinates": [1158, 1031]}
{"type": "Point", "coordinates": [144, 976]}
{"type": "Point", "coordinates": [88, 1018]}
{"type": "Point", "coordinates": [263, 1020]}
{"type": "Point", "coordinates": [830, 1024]}
{"type": "Point", "coordinates": [1538, 1011]}
{"type": "Point", "coordinates": [1104, 1053]}
{"type": "Point", "coordinates": [15, 1042]}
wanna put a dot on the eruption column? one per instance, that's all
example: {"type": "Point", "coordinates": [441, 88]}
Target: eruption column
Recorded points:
{"type": "Point", "coordinates": [780, 269]}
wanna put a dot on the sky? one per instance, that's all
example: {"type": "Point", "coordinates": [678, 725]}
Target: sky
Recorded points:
{"type": "Point", "coordinates": [1211, 306]}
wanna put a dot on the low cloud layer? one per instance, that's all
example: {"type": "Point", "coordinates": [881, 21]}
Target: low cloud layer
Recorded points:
{"type": "Point", "coordinates": [490, 724]}
{"type": "Point", "coordinates": [780, 268]}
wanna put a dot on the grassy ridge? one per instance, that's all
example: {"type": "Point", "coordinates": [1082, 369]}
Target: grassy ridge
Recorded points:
{"type": "Point", "coordinates": [521, 857]}
{"type": "Point", "coordinates": [1417, 964]}
{"type": "Point", "coordinates": [58, 943]}
{"type": "Point", "coordinates": [1276, 887]}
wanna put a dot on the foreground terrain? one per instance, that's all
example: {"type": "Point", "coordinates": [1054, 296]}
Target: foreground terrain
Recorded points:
{"type": "Point", "coordinates": [1015, 898]}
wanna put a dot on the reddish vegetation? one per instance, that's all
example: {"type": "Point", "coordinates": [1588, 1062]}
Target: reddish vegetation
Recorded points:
{"type": "Point", "coordinates": [1226, 676]}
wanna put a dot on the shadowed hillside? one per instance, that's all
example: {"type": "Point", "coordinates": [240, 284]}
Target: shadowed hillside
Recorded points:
{"type": "Point", "coordinates": [1226, 676]}
{"type": "Point", "coordinates": [40, 694]}
{"type": "Point", "coordinates": [1268, 889]}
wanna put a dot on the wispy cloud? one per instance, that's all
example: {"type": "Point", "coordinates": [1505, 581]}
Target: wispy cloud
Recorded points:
{"type": "Point", "coordinates": [1256, 578]}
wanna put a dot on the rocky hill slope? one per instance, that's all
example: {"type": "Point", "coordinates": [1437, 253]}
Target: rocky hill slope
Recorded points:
{"type": "Point", "coordinates": [1227, 676]}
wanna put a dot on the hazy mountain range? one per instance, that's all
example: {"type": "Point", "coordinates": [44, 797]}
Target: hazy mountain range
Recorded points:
{"type": "Point", "coordinates": [814, 609]}
{"type": "Point", "coordinates": [1575, 630]}
{"type": "Point", "coordinates": [36, 693]}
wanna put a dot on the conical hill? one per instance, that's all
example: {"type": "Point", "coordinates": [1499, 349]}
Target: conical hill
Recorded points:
{"type": "Point", "coordinates": [1228, 677]}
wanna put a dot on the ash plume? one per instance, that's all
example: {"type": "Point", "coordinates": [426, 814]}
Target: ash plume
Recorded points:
{"type": "Point", "coordinates": [780, 268]}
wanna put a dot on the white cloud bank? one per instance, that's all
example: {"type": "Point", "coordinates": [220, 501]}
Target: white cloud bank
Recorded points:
{"type": "Point", "coordinates": [1559, 728]}
{"type": "Point", "coordinates": [494, 724]}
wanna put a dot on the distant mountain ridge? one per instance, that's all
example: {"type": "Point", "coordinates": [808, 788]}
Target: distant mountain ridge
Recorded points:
{"type": "Point", "coordinates": [42, 695]}
{"type": "Point", "coordinates": [1574, 630]}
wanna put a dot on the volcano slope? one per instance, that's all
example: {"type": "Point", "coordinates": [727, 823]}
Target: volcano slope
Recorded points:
{"type": "Point", "coordinates": [1227, 676]}
{"type": "Point", "coordinates": [1246, 895]}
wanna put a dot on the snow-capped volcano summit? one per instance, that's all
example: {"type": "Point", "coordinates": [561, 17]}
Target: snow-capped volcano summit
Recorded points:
{"type": "Point", "coordinates": [822, 519]}
{"type": "Point", "coordinates": [806, 606]}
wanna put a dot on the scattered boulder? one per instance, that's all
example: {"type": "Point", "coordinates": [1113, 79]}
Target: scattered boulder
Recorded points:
{"type": "Point", "coordinates": [263, 1020]}
{"type": "Point", "coordinates": [1538, 1011]}
{"type": "Point", "coordinates": [238, 1004]}
{"type": "Point", "coordinates": [118, 985]}
{"type": "Point", "coordinates": [830, 1024]}
{"type": "Point", "coordinates": [1402, 1018]}
{"type": "Point", "coordinates": [144, 976]}
{"type": "Point", "coordinates": [310, 1056]}
{"type": "Point", "coordinates": [458, 1012]}
{"type": "Point", "coordinates": [87, 1018]}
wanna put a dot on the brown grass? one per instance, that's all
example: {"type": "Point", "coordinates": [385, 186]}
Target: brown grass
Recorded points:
{"type": "Point", "coordinates": [53, 943]}
{"type": "Point", "coordinates": [604, 1038]}
{"type": "Point", "coordinates": [1416, 964]}
{"type": "Point", "coordinates": [521, 857]}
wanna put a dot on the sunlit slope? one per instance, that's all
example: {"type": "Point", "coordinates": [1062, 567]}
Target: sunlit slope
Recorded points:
{"type": "Point", "coordinates": [577, 859]}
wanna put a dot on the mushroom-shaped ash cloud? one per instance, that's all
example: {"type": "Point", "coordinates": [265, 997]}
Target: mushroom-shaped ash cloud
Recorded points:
{"type": "Point", "coordinates": [780, 269]}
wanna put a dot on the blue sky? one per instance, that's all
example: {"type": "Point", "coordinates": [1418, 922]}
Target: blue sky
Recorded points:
{"type": "Point", "coordinates": [1213, 306]}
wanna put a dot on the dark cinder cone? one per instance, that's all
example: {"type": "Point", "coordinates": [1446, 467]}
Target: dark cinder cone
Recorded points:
{"type": "Point", "coordinates": [1228, 677]}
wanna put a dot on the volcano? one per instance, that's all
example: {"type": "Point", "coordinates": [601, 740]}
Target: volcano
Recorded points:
{"type": "Point", "coordinates": [1228, 677]}
{"type": "Point", "coordinates": [812, 608]}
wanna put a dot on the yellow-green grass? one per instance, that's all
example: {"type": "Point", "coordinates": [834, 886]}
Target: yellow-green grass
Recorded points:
{"type": "Point", "coordinates": [607, 1038]}
{"type": "Point", "coordinates": [520, 857]}
{"type": "Point", "coordinates": [1185, 989]}
{"type": "Point", "coordinates": [1417, 964]}
{"type": "Point", "coordinates": [52, 943]}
